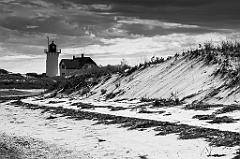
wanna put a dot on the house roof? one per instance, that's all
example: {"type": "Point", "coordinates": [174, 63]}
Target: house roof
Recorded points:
{"type": "Point", "coordinates": [77, 63]}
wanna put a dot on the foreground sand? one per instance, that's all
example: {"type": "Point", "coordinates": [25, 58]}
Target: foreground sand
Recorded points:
{"type": "Point", "coordinates": [40, 134]}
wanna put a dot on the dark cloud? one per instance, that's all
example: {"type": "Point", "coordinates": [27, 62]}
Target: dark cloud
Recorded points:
{"type": "Point", "coordinates": [145, 30]}
{"type": "Point", "coordinates": [53, 25]}
{"type": "Point", "coordinates": [5, 11]}
{"type": "Point", "coordinates": [214, 13]}
{"type": "Point", "coordinates": [83, 22]}
{"type": "Point", "coordinates": [70, 17]}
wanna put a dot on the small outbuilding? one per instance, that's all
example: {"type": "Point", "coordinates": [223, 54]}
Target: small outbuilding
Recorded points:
{"type": "Point", "coordinates": [69, 65]}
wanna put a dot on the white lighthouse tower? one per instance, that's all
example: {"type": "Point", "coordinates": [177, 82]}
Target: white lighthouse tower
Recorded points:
{"type": "Point", "coordinates": [52, 59]}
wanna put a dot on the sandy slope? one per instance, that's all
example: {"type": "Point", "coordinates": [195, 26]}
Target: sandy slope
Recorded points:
{"type": "Point", "coordinates": [180, 77]}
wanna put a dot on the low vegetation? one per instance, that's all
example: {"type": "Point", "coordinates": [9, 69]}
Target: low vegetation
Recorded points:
{"type": "Point", "coordinates": [162, 102]}
{"type": "Point", "coordinates": [223, 119]}
{"type": "Point", "coordinates": [227, 108]}
{"type": "Point", "coordinates": [3, 72]}
{"type": "Point", "coordinates": [12, 93]}
{"type": "Point", "coordinates": [195, 105]}
{"type": "Point", "coordinates": [237, 155]}
{"type": "Point", "coordinates": [18, 81]}
{"type": "Point", "coordinates": [84, 80]}
{"type": "Point", "coordinates": [90, 106]}
{"type": "Point", "coordinates": [9, 148]}
{"type": "Point", "coordinates": [213, 119]}
{"type": "Point", "coordinates": [151, 112]}
{"type": "Point", "coordinates": [12, 147]}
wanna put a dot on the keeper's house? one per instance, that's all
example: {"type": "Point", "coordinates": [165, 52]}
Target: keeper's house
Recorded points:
{"type": "Point", "coordinates": [69, 65]}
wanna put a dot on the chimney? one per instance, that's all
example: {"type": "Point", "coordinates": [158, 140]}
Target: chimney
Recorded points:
{"type": "Point", "coordinates": [73, 57]}
{"type": "Point", "coordinates": [82, 55]}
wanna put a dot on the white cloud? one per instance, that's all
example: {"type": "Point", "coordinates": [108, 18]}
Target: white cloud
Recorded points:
{"type": "Point", "coordinates": [21, 57]}
{"type": "Point", "coordinates": [154, 23]}
{"type": "Point", "coordinates": [42, 3]}
{"type": "Point", "coordinates": [101, 7]}
{"type": "Point", "coordinates": [31, 27]}
{"type": "Point", "coordinates": [23, 63]}
{"type": "Point", "coordinates": [135, 50]}
{"type": "Point", "coordinates": [7, 1]}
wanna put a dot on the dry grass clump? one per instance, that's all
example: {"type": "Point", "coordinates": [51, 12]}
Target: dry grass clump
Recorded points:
{"type": "Point", "coordinates": [215, 120]}
{"type": "Point", "coordinates": [223, 119]}
{"type": "Point", "coordinates": [13, 147]}
{"type": "Point", "coordinates": [204, 117]}
{"type": "Point", "coordinates": [162, 102]}
{"type": "Point", "coordinates": [2, 101]}
{"type": "Point", "coordinates": [90, 106]}
{"type": "Point", "coordinates": [227, 108]}
{"type": "Point", "coordinates": [238, 155]}
{"type": "Point", "coordinates": [85, 79]}
{"type": "Point", "coordinates": [82, 105]}
{"type": "Point", "coordinates": [9, 148]}
{"type": "Point", "coordinates": [114, 94]}
{"type": "Point", "coordinates": [195, 105]}
{"type": "Point", "coordinates": [151, 112]}
{"type": "Point", "coordinates": [117, 108]}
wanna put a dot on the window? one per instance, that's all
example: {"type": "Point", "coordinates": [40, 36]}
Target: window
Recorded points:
{"type": "Point", "coordinates": [87, 66]}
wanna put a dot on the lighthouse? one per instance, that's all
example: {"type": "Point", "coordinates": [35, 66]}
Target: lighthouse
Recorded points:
{"type": "Point", "coordinates": [52, 59]}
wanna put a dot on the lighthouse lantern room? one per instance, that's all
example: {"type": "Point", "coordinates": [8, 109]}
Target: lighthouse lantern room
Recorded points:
{"type": "Point", "coordinates": [52, 59]}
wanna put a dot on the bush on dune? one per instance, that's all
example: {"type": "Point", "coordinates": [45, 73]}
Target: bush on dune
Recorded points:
{"type": "Point", "coordinates": [87, 78]}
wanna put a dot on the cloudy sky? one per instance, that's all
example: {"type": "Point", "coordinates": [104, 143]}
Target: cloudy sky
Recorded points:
{"type": "Point", "coordinates": [110, 30]}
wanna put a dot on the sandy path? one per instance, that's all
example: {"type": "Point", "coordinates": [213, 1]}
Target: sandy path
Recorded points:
{"type": "Point", "coordinates": [84, 139]}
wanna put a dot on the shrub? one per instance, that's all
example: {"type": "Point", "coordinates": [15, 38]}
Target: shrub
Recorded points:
{"type": "Point", "coordinates": [208, 46]}
{"type": "Point", "coordinates": [110, 95]}
{"type": "Point", "coordinates": [223, 119]}
{"type": "Point", "coordinates": [131, 70]}
{"type": "Point", "coordinates": [84, 91]}
{"type": "Point", "coordinates": [117, 84]}
{"type": "Point", "coordinates": [103, 91]}
{"type": "Point", "coordinates": [227, 108]}
{"type": "Point", "coordinates": [2, 71]}
{"type": "Point", "coordinates": [188, 96]}
{"type": "Point", "coordinates": [176, 55]}
{"type": "Point", "coordinates": [168, 58]}
{"type": "Point", "coordinates": [195, 105]}
{"type": "Point", "coordinates": [88, 77]}
{"type": "Point", "coordinates": [145, 99]}
{"type": "Point", "coordinates": [204, 117]}
{"type": "Point", "coordinates": [114, 94]}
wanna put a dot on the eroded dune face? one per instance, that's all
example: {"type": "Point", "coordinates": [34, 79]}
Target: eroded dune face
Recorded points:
{"type": "Point", "coordinates": [183, 78]}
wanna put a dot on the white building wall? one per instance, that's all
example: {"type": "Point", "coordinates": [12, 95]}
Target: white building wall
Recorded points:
{"type": "Point", "coordinates": [52, 64]}
{"type": "Point", "coordinates": [64, 72]}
